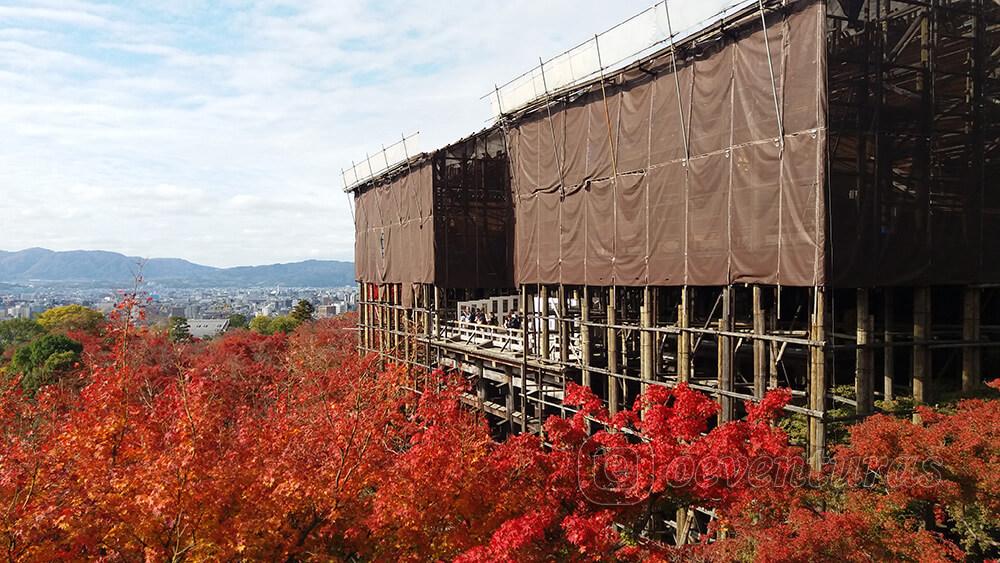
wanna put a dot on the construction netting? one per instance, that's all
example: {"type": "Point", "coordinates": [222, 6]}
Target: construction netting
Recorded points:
{"type": "Point", "coordinates": [444, 219]}
{"type": "Point", "coordinates": [914, 157]}
{"type": "Point", "coordinates": [704, 168]}
{"type": "Point", "coordinates": [475, 216]}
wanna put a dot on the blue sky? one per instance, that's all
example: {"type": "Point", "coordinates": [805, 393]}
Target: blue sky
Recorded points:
{"type": "Point", "coordinates": [216, 130]}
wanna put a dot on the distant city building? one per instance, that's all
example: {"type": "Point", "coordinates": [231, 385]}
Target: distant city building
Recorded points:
{"type": "Point", "coordinates": [328, 311]}
{"type": "Point", "coordinates": [21, 311]}
{"type": "Point", "coordinates": [208, 328]}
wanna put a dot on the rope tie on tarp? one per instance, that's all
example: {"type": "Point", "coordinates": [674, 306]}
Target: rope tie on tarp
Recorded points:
{"type": "Point", "coordinates": [677, 83]}
{"type": "Point", "coordinates": [774, 85]}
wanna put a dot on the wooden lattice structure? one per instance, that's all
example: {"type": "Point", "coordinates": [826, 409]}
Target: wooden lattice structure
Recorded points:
{"type": "Point", "coordinates": [803, 194]}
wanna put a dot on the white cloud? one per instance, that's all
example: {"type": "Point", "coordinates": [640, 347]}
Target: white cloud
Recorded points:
{"type": "Point", "coordinates": [61, 16]}
{"type": "Point", "coordinates": [216, 131]}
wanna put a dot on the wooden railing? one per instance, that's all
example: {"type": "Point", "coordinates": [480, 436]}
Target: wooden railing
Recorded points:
{"type": "Point", "coordinates": [503, 339]}
{"type": "Point", "coordinates": [498, 338]}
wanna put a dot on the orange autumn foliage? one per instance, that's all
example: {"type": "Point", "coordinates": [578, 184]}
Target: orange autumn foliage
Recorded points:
{"type": "Point", "coordinates": [290, 447]}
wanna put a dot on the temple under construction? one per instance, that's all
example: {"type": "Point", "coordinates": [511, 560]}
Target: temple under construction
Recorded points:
{"type": "Point", "coordinates": [796, 193]}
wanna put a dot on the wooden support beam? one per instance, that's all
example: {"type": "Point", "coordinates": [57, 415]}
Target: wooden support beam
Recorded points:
{"type": "Point", "coordinates": [380, 322]}
{"type": "Point", "coordinates": [971, 355]}
{"type": "Point", "coordinates": [508, 381]}
{"type": "Point", "coordinates": [921, 335]}
{"type": "Point", "coordinates": [408, 325]}
{"type": "Point", "coordinates": [612, 351]}
{"type": "Point", "coordinates": [543, 306]}
{"type": "Point", "coordinates": [683, 521]}
{"type": "Point", "coordinates": [397, 299]}
{"type": "Point", "coordinates": [480, 384]}
{"type": "Point", "coordinates": [646, 365]}
{"type": "Point", "coordinates": [684, 338]}
{"type": "Point", "coordinates": [585, 359]}
{"type": "Point", "coordinates": [817, 380]}
{"type": "Point", "coordinates": [725, 356]}
{"type": "Point", "coordinates": [425, 302]}
{"type": "Point", "coordinates": [864, 388]}
{"type": "Point", "coordinates": [654, 322]}
{"type": "Point", "coordinates": [363, 318]}
{"type": "Point", "coordinates": [889, 351]}
{"type": "Point", "coordinates": [540, 399]}
{"type": "Point", "coordinates": [773, 347]}
{"type": "Point", "coordinates": [525, 349]}
{"type": "Point", "coordinates": [384, 325]}
{"type": "Point", "coordinates": [563, 327]}
{"type": "Point", "coordinates": [438, 299]}
{"type": "Point", "coordinates": [759, 346]}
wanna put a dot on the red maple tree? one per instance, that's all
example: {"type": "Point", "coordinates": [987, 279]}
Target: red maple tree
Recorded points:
{"type": "Point", "coordinates": [291, 447]}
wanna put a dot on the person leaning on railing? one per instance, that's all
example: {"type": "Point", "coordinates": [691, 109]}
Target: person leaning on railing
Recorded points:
{"type": "Point", "coordinates": [513, 321]}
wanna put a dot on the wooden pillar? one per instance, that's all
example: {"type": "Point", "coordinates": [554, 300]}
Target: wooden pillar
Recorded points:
{"type": "Point", "coordinates": [540, 402]}
{"type": "Point", "coordinates": [585, 337]}
{"type": "Point", "coordinates": [864, 386]}
{"type": "Point", "coordinates": [385, 297]}
{"type": "Point", "coordinates": [425, 301]}
{"type": "Point", "coordinates": [612, 351]}
{"type": "Point", "coordinates": [889, 352]}
{"type": "Point", "coordinates": [524, 358]}
{"type": "Point", "coordinates": [759, 346]}
{"type": "Point", "coordinates": [480, 384]}
{"type": "Point", "coordinates": [654, 321]}
{"type": "Point", "coordinates": [683, 521]}
{"type": "Point", "coordinates": [397, 314]}
{"type": "Point", "coordinates": [646, 366]}
{"type": "Point", "coordinates": [372, 318]}
{"type": "Point", "coordinates": [971, 354]}
{"type": "Point", "coordinates": [684, 338]}
{"type": "Point", "coordinates": [921, 335]}
{"type": "Point", "coordinates": [817, 380]}
{"type": "Point", "coordinates": [725, 356]}
{"type": "Point", "coordinates": [543, 302]}
{"type": "Point", "coordinates": [363, 319]}
{"type": "Point", "coordinates": [563, 328]}
{"type": "Point", "coordinates": [508, 380]}
{"type": "Point", "coordinates": [407, 325]}
{"type": "Point", "coordinates": [773, 348]}
{"type": "Point", "coordinates": [383, 324]}
{"type": "Point", "coordinates": [437, 312]}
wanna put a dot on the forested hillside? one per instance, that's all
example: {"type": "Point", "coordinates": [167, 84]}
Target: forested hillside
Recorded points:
{"type": "Point", "coordinates": [94, 266]}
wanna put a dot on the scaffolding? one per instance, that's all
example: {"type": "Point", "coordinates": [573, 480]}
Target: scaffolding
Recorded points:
{"type": "Point", "coordinates": [879, 294]}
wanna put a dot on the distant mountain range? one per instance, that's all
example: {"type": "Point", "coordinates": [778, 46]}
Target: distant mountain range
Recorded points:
{"type": "Point", "coordinates": [39, 265]}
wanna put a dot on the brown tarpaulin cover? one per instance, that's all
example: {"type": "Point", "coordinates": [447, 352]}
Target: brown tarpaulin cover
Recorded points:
{"type": "Point", "coordinates": [394, 229]}
{"type": "Point", "coordinates": [742, 208]}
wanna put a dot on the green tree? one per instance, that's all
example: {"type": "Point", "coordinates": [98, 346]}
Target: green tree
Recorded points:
{"type": "Point", "coordinates": [303, 311]}
{"type": "Point", "coordinates": [284, 324]}
{"type": "Point", "coordinates": [17, 332]}
{"type": "Point", "coordinates": [45, 360]}
{"type": "Point", "coordinates": [272, 325]}
{"type": "Point", "coordinates": [71, 317]}
{"type": "Point", "coordinates": [237, 321]}
{"type": "Point", "coordinates": [178, 329]}
{"type": "Point", "coordinates": [261, 324]}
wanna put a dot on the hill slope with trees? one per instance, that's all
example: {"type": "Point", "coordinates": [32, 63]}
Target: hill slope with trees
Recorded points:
{"type": "Point", "coordinates": [291, 447]}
